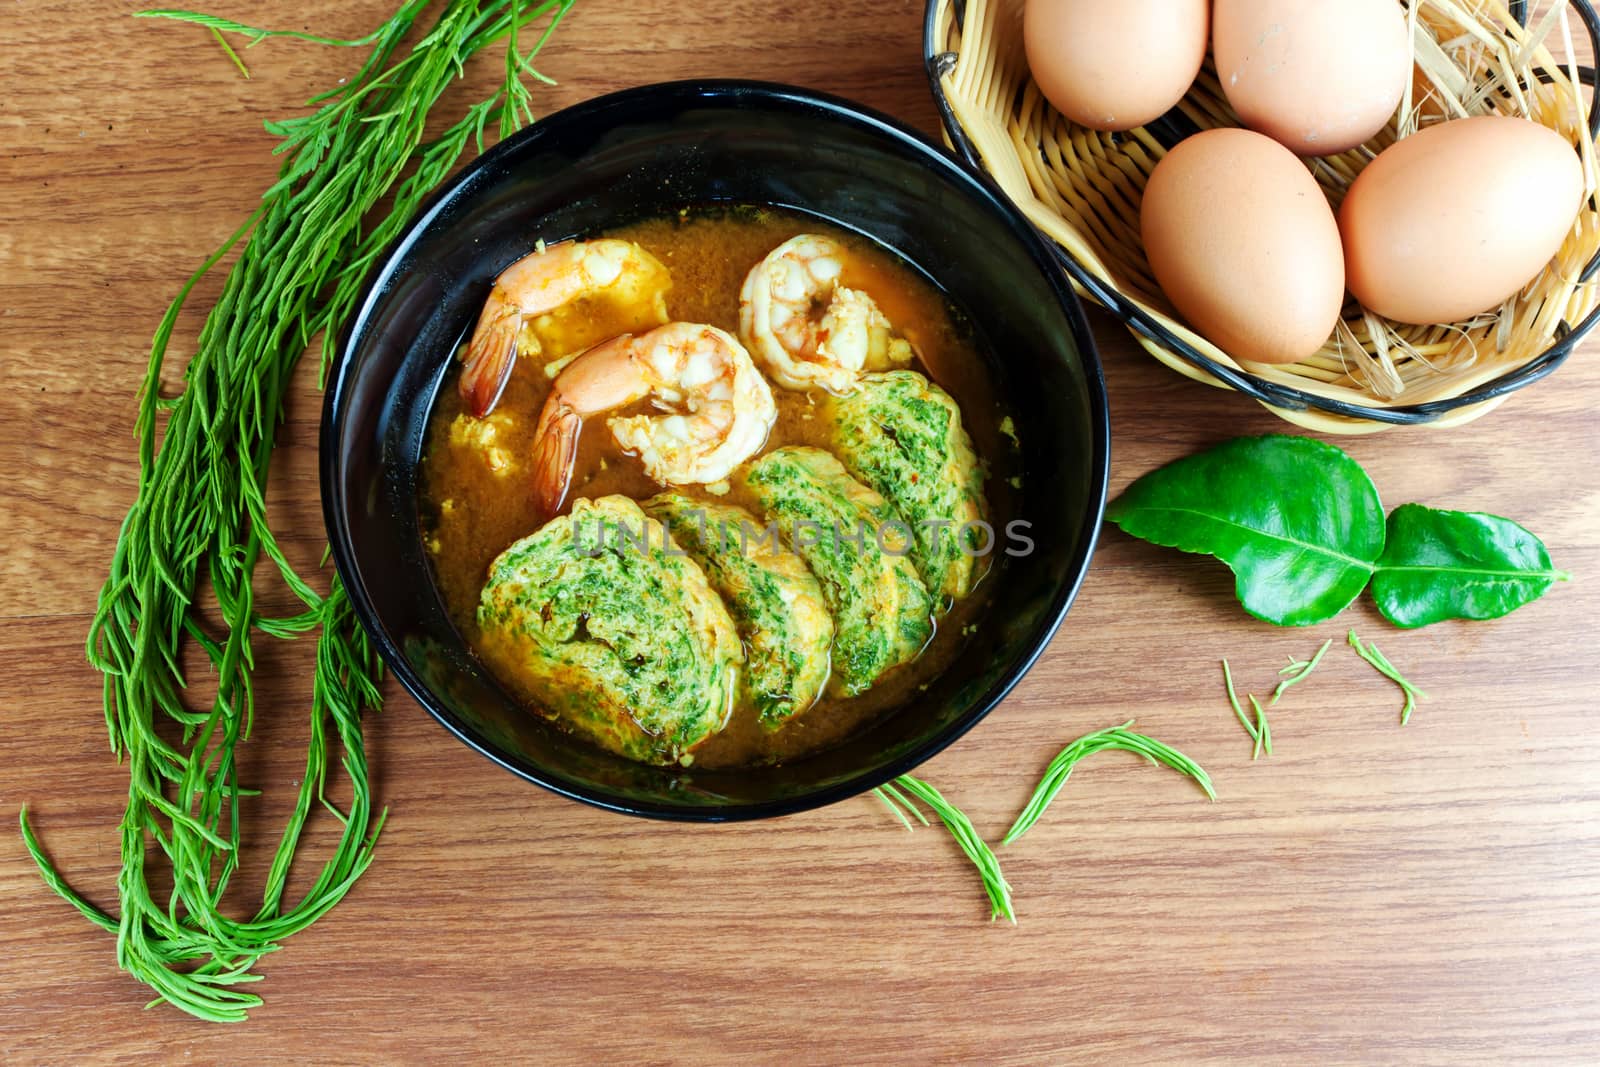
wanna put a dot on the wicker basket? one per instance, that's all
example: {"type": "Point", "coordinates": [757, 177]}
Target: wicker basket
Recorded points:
{"type": "Point", "coordinates": [1082, 189]}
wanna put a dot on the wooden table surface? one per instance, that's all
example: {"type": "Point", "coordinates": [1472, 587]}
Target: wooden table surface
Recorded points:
{"type": "Point", "coordinates": [1369, 893]}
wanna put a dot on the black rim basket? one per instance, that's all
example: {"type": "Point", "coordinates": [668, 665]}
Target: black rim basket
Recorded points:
{"type": "Point", "coordinates": [940, 61]}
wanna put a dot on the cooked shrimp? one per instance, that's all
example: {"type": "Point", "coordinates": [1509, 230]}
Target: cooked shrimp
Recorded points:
{"type": "Point", "coordinates": [806, 329]}
{"type": "Point", "coordinates": [538, 284]}
{"type": "Point", "coordinates": [717, 409]}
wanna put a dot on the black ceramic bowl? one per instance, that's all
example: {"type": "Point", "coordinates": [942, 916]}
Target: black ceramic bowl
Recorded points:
{"type": "Point", "coordinates": [646, 153]}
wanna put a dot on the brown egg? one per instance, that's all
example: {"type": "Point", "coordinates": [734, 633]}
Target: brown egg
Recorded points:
{"type": "Point", "coordinates": [1318, 77]}
{"type": "Point", "coordinates": [1245, 245]}
{"type": "Point", "coordinates": [1458, 217]}
{"type": "Point", "coordinates": [1117, 65]}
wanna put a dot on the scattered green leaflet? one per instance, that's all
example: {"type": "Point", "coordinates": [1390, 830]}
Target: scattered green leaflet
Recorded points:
{"type": "Point", "coordinates": [255, 35]}
{"type": "Point", "coordinates": [1260, 730]}
{"type": "Point", "coordinates": [1263, 730]}
{"type": "Point", "coordinates": [898, 805]}
{"type": "Point", "coordinates": [1233, 699]}
{"type": "Point", "coordinates": [960, 827]}
{"type": "Point", "coordinates": [1298, 671]}
{"type": "Point", "coordinates": [1369, 652]}
{"type": "Point", "coordinates": [1458, 565]}
{"type": "Point", "coordinates": [227, 50]}
{"type": "Point", "coordinates": [1300, 524]}
{"type": "Point", "coordinates": [893, 795]}
{"type": "Point", "coordinates": [183, 569]}
{"type": "Point", "coordinates": [1117, 737]}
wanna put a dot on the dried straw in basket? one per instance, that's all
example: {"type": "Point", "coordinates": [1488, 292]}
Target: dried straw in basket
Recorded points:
{"type": "Point", "coordinates": [1083, 188]}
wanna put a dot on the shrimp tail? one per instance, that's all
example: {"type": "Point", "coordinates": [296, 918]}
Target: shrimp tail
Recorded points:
{"type": "Point", "coordinates": [491, 354]}
{"type": "Point", "coordinates": [555, 452]}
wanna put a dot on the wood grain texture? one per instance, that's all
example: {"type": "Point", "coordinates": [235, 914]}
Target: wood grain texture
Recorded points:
{"type": "Point", "coordinates": [1369, 893]}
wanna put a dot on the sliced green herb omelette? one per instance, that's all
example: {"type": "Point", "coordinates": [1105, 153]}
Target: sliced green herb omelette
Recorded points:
{"type": "Point", "coordinates": [902, 435]}
{"type": "Point", "coordinates": [845, 532]}
{"type": "Point", "coordinates": [775, 602]}
{"type": "Point", "coordinates": [610, 627]}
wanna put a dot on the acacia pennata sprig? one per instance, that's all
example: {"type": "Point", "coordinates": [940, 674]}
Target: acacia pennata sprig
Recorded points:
{"type": "Point", "coordinates": [182, 577]}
